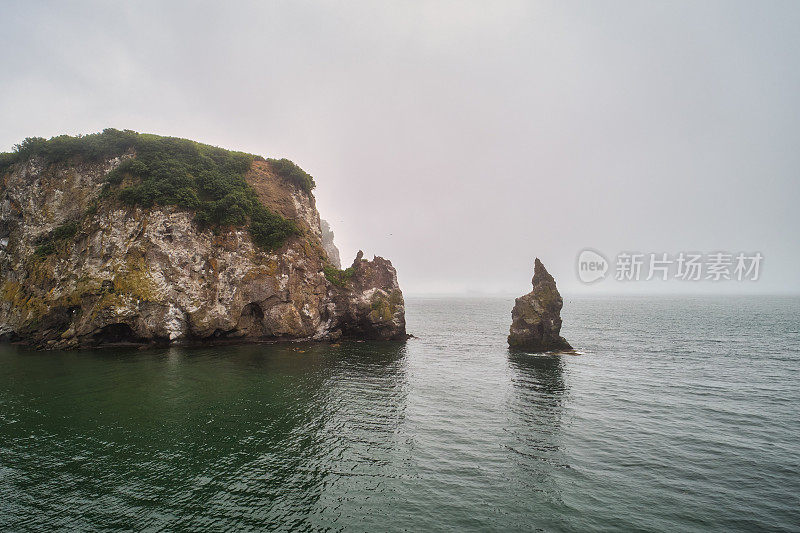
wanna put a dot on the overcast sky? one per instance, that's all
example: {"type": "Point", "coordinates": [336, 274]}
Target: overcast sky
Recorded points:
{"type": "Point", "coordinates": [458, 139]}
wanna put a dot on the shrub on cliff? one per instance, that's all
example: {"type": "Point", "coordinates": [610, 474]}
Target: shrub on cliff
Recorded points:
{"type": "Point", "coordinates": [171, 171]}
{"type": "Point", "coordinates": [93, 147]}
{"type": "Point", "coordinates": [292, 173]}
{"type": "Point", "coordinates": [46, 244]}
{"type": "Point", "coordinates": [268, 229]}
{"type": "Point", "coordinates": [337, 276]}
{"type": "Point", "coordinates": [205, 179]}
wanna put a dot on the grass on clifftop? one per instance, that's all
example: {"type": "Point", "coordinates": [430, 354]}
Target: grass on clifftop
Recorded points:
{"type": "Point", "coordinates": [171, 171]}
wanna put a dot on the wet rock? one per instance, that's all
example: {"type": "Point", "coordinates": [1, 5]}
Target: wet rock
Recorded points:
{"type": "Point", "coordinates": [536, 317]}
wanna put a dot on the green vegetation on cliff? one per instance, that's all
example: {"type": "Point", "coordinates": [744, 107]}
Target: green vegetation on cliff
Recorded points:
{"type": "Point", "coordinates": [94, 147]}
{"type": "Point", "coordinates": [171, 171]}
{"type": "Point", "coordinates": [46, 244]}
{"type": "Point", "coordinates": [336, 276]}
{"type": "Point", "coordinates": [201, 178]}
{"type": "Point", "coordinates": [287, 170]}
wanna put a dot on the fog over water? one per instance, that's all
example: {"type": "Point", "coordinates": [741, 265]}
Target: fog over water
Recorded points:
{"type": "Point", "coordinates": [459, 139]}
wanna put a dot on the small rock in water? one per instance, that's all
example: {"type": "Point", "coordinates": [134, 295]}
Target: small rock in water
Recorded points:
{"type": "Point", "coordinates": [536, 317]}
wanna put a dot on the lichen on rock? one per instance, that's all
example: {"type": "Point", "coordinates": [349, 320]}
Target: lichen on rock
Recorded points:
{"type": "Point", "coordinates": [121, 273]}
{"type": "Point", "coordinates": [369, 304]}
{"type": "Point", "coordinates": [536, 317]}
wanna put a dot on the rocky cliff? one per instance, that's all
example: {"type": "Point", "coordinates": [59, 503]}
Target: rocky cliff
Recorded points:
{"type": "Point", "coordinates": [85, 263]}
{"type": "Point", "coordinates": [536, 317]}
{"type": "Point", "coordinates": [329, 246]}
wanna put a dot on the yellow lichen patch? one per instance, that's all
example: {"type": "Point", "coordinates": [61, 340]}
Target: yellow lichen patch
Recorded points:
{"type": "Point", "coordinates": [27, 305]}
{"type": "Point", "coordinates": [132, 281]}
{"type": "Point", "coordinates": [40, 272]}
{"type": "Point", "coordinates": [136, 282]}
{"type": "Point", "coordinates": [381, 308]}
{"type": "Point", "coordinates": [264, 271]}
{"type": "Point", "coordinates": [83, 287]}
{"type": "Point", "coordinates": [10, 290]}
{"type": "Point", "coordinates": [46, 213]}
{"type": "Point", "coordinates": [312, 248]}
{"type": "Point", "coordinates": [395, 299]}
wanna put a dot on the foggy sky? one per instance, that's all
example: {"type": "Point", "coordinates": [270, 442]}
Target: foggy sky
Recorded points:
{"type": "Point", "coordinates": [460, 140]}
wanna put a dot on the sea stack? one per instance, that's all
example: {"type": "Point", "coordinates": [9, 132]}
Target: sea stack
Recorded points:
{"type": "Point", "coordinates": [536, 317]}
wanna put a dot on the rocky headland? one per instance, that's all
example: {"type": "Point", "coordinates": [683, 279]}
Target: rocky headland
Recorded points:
{"type": "Point", "coordinates": [536, 317]}
{"type": "Point", "coordinates": [120, 237]}
{"type": "Point", "coordinates": [328, 245]}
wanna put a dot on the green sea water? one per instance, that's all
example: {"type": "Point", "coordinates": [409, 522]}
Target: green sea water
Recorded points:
{"type": "Point", "coordinates": [679, 414]}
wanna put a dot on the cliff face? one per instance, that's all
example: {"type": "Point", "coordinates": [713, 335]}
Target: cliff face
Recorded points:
{"type": "Point", "coordinates": [79, 269]}
{"type": "Point", "coordinates": [327, 243]}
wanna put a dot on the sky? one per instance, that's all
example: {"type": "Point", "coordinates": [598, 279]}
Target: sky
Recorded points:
{"type": "Point", "coordinates": [460, 139]}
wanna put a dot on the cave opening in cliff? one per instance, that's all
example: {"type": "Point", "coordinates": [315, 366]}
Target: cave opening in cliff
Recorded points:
{"type": "Point", "coordinates": [252, 320]}
{"type": "Point", "coordinates": [117, 333]}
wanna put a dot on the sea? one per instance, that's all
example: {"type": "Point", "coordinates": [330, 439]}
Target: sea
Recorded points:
{"type": "Point", "coordinates": [674, 414]}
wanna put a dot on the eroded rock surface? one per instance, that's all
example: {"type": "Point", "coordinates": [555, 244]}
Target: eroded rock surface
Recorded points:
{"type": "Point", "coordinates": [371, 304]}
{"type": "Point", "coordinates": [536, 317]}
{"type": "Point", "coordinates": [151, 275]}
{"type": "Point", "coordinates": [327, 243]}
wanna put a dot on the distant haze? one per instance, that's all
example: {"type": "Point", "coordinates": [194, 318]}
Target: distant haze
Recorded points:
{"type": "Point", "coordinates": [460, 140]}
